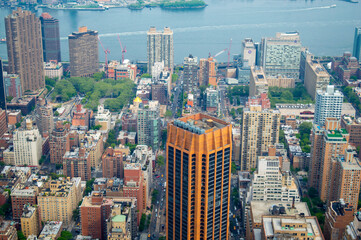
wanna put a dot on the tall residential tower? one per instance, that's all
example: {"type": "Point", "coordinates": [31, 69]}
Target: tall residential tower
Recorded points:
{"type": "Point", "coordinates": [51, 37]}
{"type": "Point", "coordinates": [357, 44]}
{"type": "Point", "coordinates": [160, 48]}
{"type": "Point", "coordinates": [198, 170]}
{"type": "Point", "coordinates": [25, 50]}
{"type": "Point", "coordinates": [83, 52]}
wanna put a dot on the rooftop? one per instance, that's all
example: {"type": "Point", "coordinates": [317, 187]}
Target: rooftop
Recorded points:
{"type": "Point", "coordinates": [200, 123]}
{"type": "Point", "coordinates": [264, 208]}
{"type": "Point", "coordinates": [51, 228]}
{"type": "Point", "coordinates": [119, 218]}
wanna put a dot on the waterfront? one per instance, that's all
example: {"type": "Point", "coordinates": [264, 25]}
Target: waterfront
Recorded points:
{"type": "Point", "coordinates": [325, 30]}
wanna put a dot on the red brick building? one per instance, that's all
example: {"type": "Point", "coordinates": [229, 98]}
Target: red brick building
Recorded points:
{"type": "Point", "coordinates": [260, 100]}
{"type": "Point", "coordinates": [94, 211]}
{"type": "Point", "coordinates": [19, 198]}
{"type": "Point", "coordinates": [337, 217]}
{"type": "Point", "coordinates": [134, 186]}
{"type": "Point", "coordinates": [81, 116]}
{"type": "Point", "coordinates": [112, 164]}
{"type": "Point", "coordinates": [76, 163]}
{"type": "Point", "coordinates": [59, 143]}
{"type": "Point", "coordinates": [346, 67]}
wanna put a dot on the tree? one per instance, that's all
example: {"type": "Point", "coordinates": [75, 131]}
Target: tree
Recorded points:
{"type": "Point", "coordinates": [305, 128]}
{"type": "Point", "coordinates": [66, 235]}
{"type": "Point", "coordinates": [142, 222]}
{"type": "Point", "coordinates": [21, 236]}
{"type": "Point", "coordinates": [65, 89]}
{"type": "Point", "coordinates": [9, 98]}
{"type": "Point", "coordinates": [96, 127]}
{"type": "Point", "coordinates": [233, 168]}
{"type": "Point", "coordinates": [174, 77]}
{"type": "Point", "coordinates": [168, 114]}
{"type": "Point", "coordinates": [146, 75]}
{"type": "Point", "coordinates": [160, 160]}
{"type": "Point", "coordinates": [287, 95]}
{"type": "Point", "coordinates": [50, 81]}
{"type": "Point", "coordinates": [98, 76]}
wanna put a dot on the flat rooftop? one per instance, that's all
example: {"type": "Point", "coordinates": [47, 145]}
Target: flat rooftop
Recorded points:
{"type": "Point", "coordinates": [262, 208]}
{"type": "Point", "coordinates": [200, 123]}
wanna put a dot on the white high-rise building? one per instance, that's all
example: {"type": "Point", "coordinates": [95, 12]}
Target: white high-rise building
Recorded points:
{"type": "Point", "coordinates": [248, 52]}
{"type": "Point", "coordinates": [328, 105]}
{"type": "Point", "coordinates": [281, 55]}
{"type": "Point", "coordinates": [160, 48]}
{"type": "Point", "coordinates": [27, 147]}
{"type": "Point", "coordinates": [271, 184]}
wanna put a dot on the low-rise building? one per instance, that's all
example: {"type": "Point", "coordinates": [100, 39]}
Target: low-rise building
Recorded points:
{"type": "Point", "coordinates": [338, 215]}
{"type": "Point", "coordinates": [53, 69]}
{"type": "Point", "coordinates": [353, 229]}
{"type": "Point", "coordinates": [258, 82]}
{"type": "Point", "coordinates": [8, 230]}
{"type": "Point", "coordinates": [257, 209]}
{"type": "Point", "coordinates": [285, 227]}
{"type": "Point", "coordinates": [103, 118]}
{"type": "Point", "coordinates": [51, 230]}
{"type": "Point", "coordinates": [21, 198]}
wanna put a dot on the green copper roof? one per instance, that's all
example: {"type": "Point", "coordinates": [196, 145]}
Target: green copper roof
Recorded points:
{"type": "Point", "coordinates": [118, 218]}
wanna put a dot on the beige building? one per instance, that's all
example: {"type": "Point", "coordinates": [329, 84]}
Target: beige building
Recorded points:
{"type": "Point", "coordinates": [9, 156]}
{"type": "Point", "coordinates": [257, 209]}
{"type": "Point", "coordinates": [316, 77]}
{"type": "Point", "coordinates": [290, 227]}
{"type": "Point", "coordinates": [58, 200]}
{"type": "Point", "coordinates": [92, 141]}
{"type": "Point", "coordinates": [119, 228]}
{"type": "Point", "coordinates": [25, 49]}
{"type": "Point", "coordinates": [30, 221]}
{"type": "Point", "coordinates": [258, 82]}
{"type": "Point", "coordinates": [281, 82]}
{"type": "Point", "coordinates": [83, 52]}
{"type": "Point", "coordinates": [53, 69]}
{"type": "Point", "coordinates": [103, 118]}
{"type": "Point", "coordinates": [260, 129]}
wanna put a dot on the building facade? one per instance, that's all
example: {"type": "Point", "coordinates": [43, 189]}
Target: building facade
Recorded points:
{"type": "Point", "coordinates": [190, 74]}
{"type": "Point", "coordinates": [76, 163]}
{"type": "Point", "coordinates": [30, 221]}
{"type": "Point", "coordinates": [59, 142]}
{"type": "Point", "coordinates": [338, 215]}
{"type": "Point", "coordinates": [27, 147]}
{"type": "Point", "coordinates": [112, 163]}
{"type": "Point", "coordinates": [94, 212]}
{"type": "Point", "coordinates": [207, 72]}
{"type": "Point", "coordinates": [316, 78]}
{"type": "Point", "coordinates": [281, 55]}
{"type": "Point", "coordinates": [260, 129]}
{"type": "Point", "coordinates": [328, 105]}
{"type": "Point", "coordinates": [25, 49]}
{"type": "Point", "coordinates": [83, 53]}
{"type": "Point", "coordinates": [271, 184]}
{"type": "Point", "coordinates": [148, 125]}
{"type": "Point", "coordinates": [199, 151]}
{"type": "Point", "coordinates": [258, 82]}
{"type": "Point", "coordinates": [2, 87]}
{"type": "Point", "coordinates": [44, 117]}
{"type": "Point", "coordinates": [51, 37]}
{"type": "Point", "coordinates": [160, 48]}
{"type": "Point", "coordinates": [58, 199]}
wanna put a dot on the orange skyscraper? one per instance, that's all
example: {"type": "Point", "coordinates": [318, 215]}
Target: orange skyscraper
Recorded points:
{"type": "Point", "coordinates": [198, 178]}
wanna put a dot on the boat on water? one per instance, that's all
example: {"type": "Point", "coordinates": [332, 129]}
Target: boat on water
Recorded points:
{"type": "Point", "coordinates": [351, 1]}
{"type": "Point", "coordinates": [2, 40]}
{"type": "Point", "coordinates": [333, 6]}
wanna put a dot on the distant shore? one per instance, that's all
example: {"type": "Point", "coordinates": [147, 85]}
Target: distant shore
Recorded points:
{"type": "Point", "coordinates": [179, 5]}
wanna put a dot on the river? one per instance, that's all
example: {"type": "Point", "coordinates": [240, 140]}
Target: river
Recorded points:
{"type": "Point", "coordinates": [323, 29]}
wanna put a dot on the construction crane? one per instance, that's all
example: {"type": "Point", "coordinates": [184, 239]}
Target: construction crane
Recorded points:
{"type": "Point", "coordinates": [210, 56]}
{"type": "Point", "coordinates": [229, 52]}
{"type": "Point", "coordinates": [106, 51]}
{"type": "Point", "coordinates": [124, 50]}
